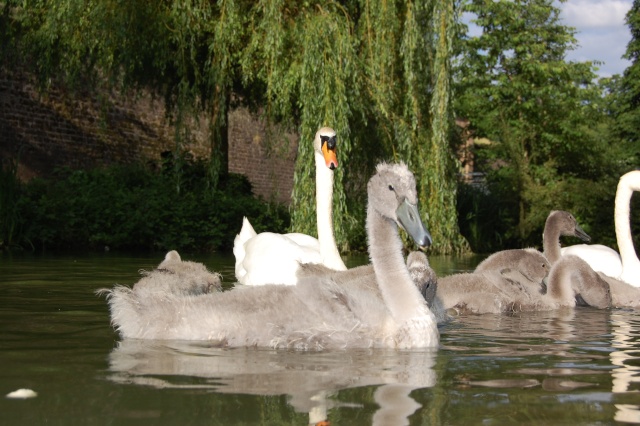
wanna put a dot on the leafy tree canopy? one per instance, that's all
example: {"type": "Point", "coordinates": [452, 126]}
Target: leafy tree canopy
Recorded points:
{"type": "Point", "coordinates": [377, 72]}
{"type": "Point", "coordinates": [543, 114]}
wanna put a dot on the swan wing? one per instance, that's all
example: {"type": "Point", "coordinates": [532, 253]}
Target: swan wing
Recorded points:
{"type": "Point", "coordinates": [304, 240]}
{"type": "Point", "coordinates": [274, 259]}
{"type": "Point", "coordinates": [246, 233]}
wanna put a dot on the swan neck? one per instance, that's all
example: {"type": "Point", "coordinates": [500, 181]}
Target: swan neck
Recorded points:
{"type": "Point", "coordinates": [551, 243]}
{"type": "Point", "coordinates": [560, 282]}
{"type": "Point", "coordinates": [324, 215]}
{"type": "Point", "coordinates": [622, 225]}
{"type": "Point", "coordinates": [401, 296]}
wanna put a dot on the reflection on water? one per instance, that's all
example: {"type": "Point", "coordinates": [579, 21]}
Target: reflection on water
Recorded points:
{"type": "Point", "coordinates": [576, 366]}
{"type": "Point", "coordinates": [308, 378]}
{"type": "Point", "coordinates": [625, 353]}
{"type": "Point", "coordinates": [568, 353]}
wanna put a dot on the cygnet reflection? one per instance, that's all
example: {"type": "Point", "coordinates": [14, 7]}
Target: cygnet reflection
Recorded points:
{"type": "Point", "coordinates": [308, 378]}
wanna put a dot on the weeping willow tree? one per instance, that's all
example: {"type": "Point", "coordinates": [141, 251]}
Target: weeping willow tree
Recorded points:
{"type": "Point", "coordinates": [377, 72]}
{"type": "Point", "coordinates": [306, 58]}
{"type": "Point", "coordinates": [406, 50]}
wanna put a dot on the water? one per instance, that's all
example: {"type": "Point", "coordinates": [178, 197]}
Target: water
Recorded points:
{"type": "Point", "coordinates": [577, 366]}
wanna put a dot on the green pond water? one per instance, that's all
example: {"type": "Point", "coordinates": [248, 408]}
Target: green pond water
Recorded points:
{"type": "Point", "coordinates": [579, 366]}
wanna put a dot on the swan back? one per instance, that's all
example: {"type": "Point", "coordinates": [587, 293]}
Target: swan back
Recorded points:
{"type": "Point", "coordinates": [600, 257]}
{"type": "Point", "coordinates": [623, 295]}
{"type": "Point", "coordinates": [530, 262]}
{"type": "Point", "coordinates": [572, 279]}
{"type": "Point", "coordinates": [175, 276]}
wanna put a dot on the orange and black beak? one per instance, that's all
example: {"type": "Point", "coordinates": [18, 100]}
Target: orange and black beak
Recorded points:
{"type": "Point", "coordinates": [328, 144]}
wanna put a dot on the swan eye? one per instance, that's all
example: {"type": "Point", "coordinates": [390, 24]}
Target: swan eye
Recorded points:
{"type": "Point", "coordinates": [391, 188]}
{"type": "Point", "coordinates": [329, 140]}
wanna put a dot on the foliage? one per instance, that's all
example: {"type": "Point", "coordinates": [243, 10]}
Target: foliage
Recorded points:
{"type": "Point", "coordinates": [624, 93]}
{"type": "Point", "coordinates": [484, 219]}
{"type": "Point", "coordinates": [377, 72]}
{"type": "Point", "coordinates": [10, 190]}
{"type": "Point", "coordinates": [133, 207]}
{"type": "Point", "coordinates": [544, 117]}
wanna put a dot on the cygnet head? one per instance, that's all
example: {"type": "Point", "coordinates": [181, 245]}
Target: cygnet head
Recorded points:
{"type": "Point", "coordinates": [566, 224]}
{"type": "Point", "coordinates": [392, 194]}
{"type": "Point", "coordinates": [422, 275]}
{"type": "Point", "coordinates": [180, 277]}
{"type": "Point", "coordinates": [533, 265]}
{"type": "Point", "coordinates": [325, 145]}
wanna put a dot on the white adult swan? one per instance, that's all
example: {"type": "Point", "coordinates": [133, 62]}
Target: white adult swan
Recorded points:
{"type": "Point", "coordinates": [624, 266]}
{"type": "Point", "coordinates": [319, 312]}
{"type": "Point", "coordinates": [269, 258]}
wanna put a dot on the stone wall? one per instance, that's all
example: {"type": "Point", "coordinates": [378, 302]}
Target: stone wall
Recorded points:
{"type": "Point", "coordinates": [45, 131]}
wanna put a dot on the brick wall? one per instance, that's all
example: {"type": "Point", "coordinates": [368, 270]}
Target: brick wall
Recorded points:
{"type": "Point", "coordinates": [62, 129]}
{"type": "Point", "coordinates": [266, 158]}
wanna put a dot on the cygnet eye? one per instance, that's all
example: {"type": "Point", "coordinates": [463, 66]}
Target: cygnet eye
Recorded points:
{"type": "Point", "coordinates": [391, 188]}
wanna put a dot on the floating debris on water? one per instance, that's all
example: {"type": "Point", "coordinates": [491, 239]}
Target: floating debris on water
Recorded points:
{"type": "Point", "coordinates": [22, 394]}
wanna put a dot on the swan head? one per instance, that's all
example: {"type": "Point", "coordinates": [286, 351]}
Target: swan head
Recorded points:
{"type": "Point", "coordinates": [392, 193]}
{"type": "Point", "coordinates": [325, 144]}
{"type": "Point", "coordinates": [564, 222]}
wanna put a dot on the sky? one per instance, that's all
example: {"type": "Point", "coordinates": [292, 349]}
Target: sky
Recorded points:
{"type": "Point", "coordinates": [601, 32]}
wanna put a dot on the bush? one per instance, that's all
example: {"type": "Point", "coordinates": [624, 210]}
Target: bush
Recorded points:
{"type": "Point", "coordinates": [484, 219]}
{"type": "Point", "coordinates": [10, 190]}
{"type": "Point", "coordinates": [135, 207]}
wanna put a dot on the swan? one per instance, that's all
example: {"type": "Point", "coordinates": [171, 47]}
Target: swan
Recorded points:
{"type": "Point", "coordinates": [522, 287]}
{"type": "Point", "coordinates": [318, 312]}
{"type": "Point", "coordinates": [568, 277]}
{"type": "Point", "coordinates": [269, 258]}
{"type": "Point", "coordinates": [558, 223]}
{"type": "Point", "coordinates": [624, 266]}
{"type": "Point", "coordinates": [494, 290]}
